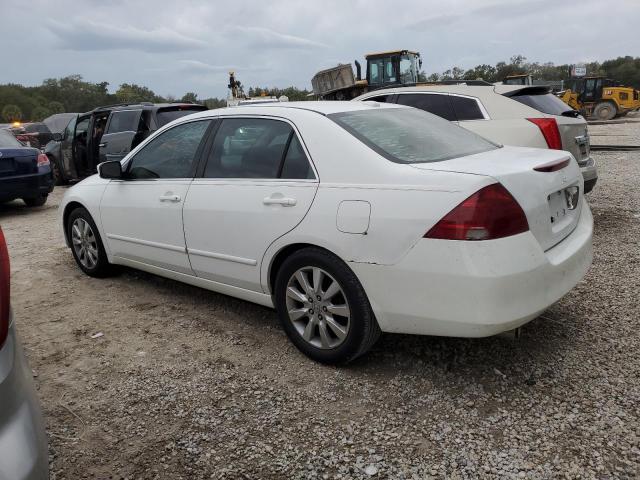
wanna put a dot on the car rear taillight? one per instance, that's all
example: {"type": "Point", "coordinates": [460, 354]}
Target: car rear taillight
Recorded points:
{"type": "Point", "coordinates": [550, 131]}
{"type": "Point", "coordinates": [4, 289]}
{"type": "Point", "coordinates": [42, 160]}
{"type": "Point", "coordinates": [490, 213]}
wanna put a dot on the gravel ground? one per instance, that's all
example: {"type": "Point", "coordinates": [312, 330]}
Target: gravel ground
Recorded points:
{"type": "Point", "coordinates": [186, 383]}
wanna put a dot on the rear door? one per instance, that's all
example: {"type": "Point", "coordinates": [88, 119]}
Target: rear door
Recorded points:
{"type": "Point", "coordinates": [258, 184]}
{"type": "Point", "coordinates": [119, 135]}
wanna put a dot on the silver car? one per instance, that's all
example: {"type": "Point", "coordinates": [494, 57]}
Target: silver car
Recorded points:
{"type": "Point", "coordinates": [23, 443]}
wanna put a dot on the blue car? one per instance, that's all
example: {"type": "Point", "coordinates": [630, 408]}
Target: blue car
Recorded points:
{"type": "Point", "coordinates": [25, 172]}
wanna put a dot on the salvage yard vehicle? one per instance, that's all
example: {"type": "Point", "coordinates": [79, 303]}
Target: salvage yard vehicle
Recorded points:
{"type": "Point", "coordinates": [350, 218]}
{"type": "Point", "coordinates": [25, 172]}
{"type": "Point", "coordinates": [384, 69]}
{"type": "Point", "coordinates": [600, 98]}
{"type": "Point", "coordinates": [23, 443]}
{"type": "Point", "coordinates": [506, 114]}
{"type": "Point", "coordinates": [108, 133]}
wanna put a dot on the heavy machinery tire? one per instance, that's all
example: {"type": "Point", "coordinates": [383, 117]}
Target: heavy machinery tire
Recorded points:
{"type": "Point", "coordinates": [605, 111]}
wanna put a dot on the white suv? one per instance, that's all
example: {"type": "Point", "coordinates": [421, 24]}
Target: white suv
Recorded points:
{"type": "Point", "coordinates": [526, 116]}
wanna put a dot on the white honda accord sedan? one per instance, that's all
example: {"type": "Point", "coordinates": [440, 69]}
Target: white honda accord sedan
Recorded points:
{"type": "Point", "coordinates": [350, 218]}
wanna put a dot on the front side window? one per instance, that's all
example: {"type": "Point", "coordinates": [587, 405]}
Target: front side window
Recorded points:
{"type": "Point", "coordinates": [256, 148]}
{"type": "Point", "coordinates": [124, 121]}
{"type": "Point", "coordinates": [409, 135]}
{"type": "Point", "coordinates": [71, 126]}
{"type": "Point", "coordinates": [172, 154]}
{"type": "Point", "coordinates": [429, 102]}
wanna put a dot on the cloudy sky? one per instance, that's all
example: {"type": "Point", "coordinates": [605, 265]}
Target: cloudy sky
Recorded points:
{"type": "Point", "coordinates": [189, 45]}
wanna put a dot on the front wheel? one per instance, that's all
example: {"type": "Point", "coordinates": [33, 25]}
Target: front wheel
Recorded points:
{"type": "Point", "coordinates": [323, 307]}
{"type": "Point", "coordinates": [86, 244]}
{"type": "Point", "coordinates": [605, 111]}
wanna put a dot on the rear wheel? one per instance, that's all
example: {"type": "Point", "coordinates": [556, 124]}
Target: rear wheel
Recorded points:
{"type": "Point", "coordinates": [36, 201]}
{"type": "Point", "coordinates": [323, 307]}
{"type": "Point", "coordinates": [86, 244]}
{"type": "Point", "coordinates": [605, 111]}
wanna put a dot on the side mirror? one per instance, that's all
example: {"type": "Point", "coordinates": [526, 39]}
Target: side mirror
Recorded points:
{"type": "Point", "coordinates": [110, 170]}
{"type": "Point", "coordinates": [57, 137]}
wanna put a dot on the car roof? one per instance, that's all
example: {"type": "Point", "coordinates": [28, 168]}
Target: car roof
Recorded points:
{"type": "Point", "coordinates": [144, 106]}
{"type": "Point", "coordinates": [473, 90]}
{"type": "Point", "coordinates": [325, 107]}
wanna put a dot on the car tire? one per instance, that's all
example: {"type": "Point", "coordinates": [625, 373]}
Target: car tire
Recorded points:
{"type": "Point", "coordinates": [58, 179]}
{"type": "Point", "coordinates": [36, 201]}
{"type": "Point", "coordinates": [328, 317]}
{"type": "Point", "coordinates": [86, 244]}
{"type": "Point", "coordinates": [605, 111]}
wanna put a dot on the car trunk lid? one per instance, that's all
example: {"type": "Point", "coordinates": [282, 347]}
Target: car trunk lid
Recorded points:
{"type": "Point", "coordinates": [18, 161]}
{"type": "Point", "coordinates": [549, 196]}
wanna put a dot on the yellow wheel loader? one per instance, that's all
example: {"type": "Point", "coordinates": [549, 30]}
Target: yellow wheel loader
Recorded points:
{"type": "Point", "coordinates": [600, 98]}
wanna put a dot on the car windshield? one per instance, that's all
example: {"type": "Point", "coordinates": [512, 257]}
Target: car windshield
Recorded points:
{"type": "Point", "coordinates": [166, 115]}
{"type": "Point", "coordinates": [7, 140]}
{"type": "Point", "coordinates": [409, 135]}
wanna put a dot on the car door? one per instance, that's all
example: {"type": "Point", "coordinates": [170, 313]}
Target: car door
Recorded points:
{"type": "Point", "coordinates": [256, 185]}
{"type": "Point", "coordinates": [142, 213]}
{"type": "Point", "coordinates": [120, 132]}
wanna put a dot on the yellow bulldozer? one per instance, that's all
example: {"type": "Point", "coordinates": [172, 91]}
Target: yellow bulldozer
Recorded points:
{"type": "Point", "coordinates": [384, 69]}
{"type": "Point", "coordinates": [600, 98]}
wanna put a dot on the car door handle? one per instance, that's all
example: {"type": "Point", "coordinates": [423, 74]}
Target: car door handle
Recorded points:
{"type": "Point", "coordinates": [100, 145]}
{"type": "Point", "coordinates": [284, 201]}
{"type": "Point", "coordinates": [169, 198]}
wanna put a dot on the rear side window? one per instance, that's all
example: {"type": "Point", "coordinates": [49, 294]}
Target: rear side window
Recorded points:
{"type": "Point", "coordinates": [546, 103]}
{"type": "Point", "coordinates": [169, 114]}
{"type": "Point", "coordinates": [257, 148]}
{"type": "Point", "coordinates": [409, 135]}
{"type": "Point", "coordinates": [379, 98]}
{"type": "Point", "coordinates": [429, 102]}
{"type": "Point", "coordinates": [466, 108]}
{"type": "Point", "coordinates": [124, 121]}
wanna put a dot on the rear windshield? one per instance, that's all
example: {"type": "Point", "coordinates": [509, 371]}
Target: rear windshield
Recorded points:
{"type": "Point", "coordinates": [166, 115]}
{"type": "Point", "coordinates": [409, 135]}
{"type": "Point", "coordinates": [547, 103]}
{"type": "Point", "coordinates": [7, 140]}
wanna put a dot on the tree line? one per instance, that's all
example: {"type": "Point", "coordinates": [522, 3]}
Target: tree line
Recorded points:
{"type": "Point", "coordinates": [74, 94]}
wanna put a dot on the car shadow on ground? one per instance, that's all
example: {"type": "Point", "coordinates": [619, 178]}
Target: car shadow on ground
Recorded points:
{"type": "Point", "coordinates": [18, 208]}
{"type": "Point", "coordinates": [538, 351]}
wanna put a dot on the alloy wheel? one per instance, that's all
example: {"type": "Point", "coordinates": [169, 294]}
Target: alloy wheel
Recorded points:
{"type": "Point", "coordinates": [84, 243]}
{"type": "Point", "coordinates": [318, 308]}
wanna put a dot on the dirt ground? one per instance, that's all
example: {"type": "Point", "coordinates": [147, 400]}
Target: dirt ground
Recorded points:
{"type": "Point", "coordinates": [185, 383]}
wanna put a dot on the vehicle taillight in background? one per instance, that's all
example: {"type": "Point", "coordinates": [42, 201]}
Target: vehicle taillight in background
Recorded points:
{"type": "Point", "coordinates": [42, 160]}
{"type": "Point", "coordinates": [4, 289]}
{"type": "Point", "coordinates": [550, 131]}
{"type": "Point", "coordinates": [490, 213]}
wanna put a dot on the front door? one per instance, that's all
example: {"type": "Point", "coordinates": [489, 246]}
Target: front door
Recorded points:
{"type": "Point", "coordinates": [142, 214]}
{"type": "Point", "coordinates": [257, 185]}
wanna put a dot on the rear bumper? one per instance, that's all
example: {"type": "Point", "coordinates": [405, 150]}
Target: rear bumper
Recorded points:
{"type": "Point", "coordinates": [23, 443]}
{"type": "Point", "coordinates": [475, 289]}
{"type": "Point", "coordinates": [26, 186]}
{"type": "Point", "coordinates": [589, 174]}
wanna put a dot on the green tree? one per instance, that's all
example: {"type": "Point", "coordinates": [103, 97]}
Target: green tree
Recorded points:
{"type": "Point", "coordinates": [189, 97]}
{"type": "Point", "coordinates": [55, 107]}
{"type": "Point", "coordinates": [11, 113]}
{"type": "Point", "coordinates": [130, 93]}
{"type": "Point", "coordinates": [40, 113]}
